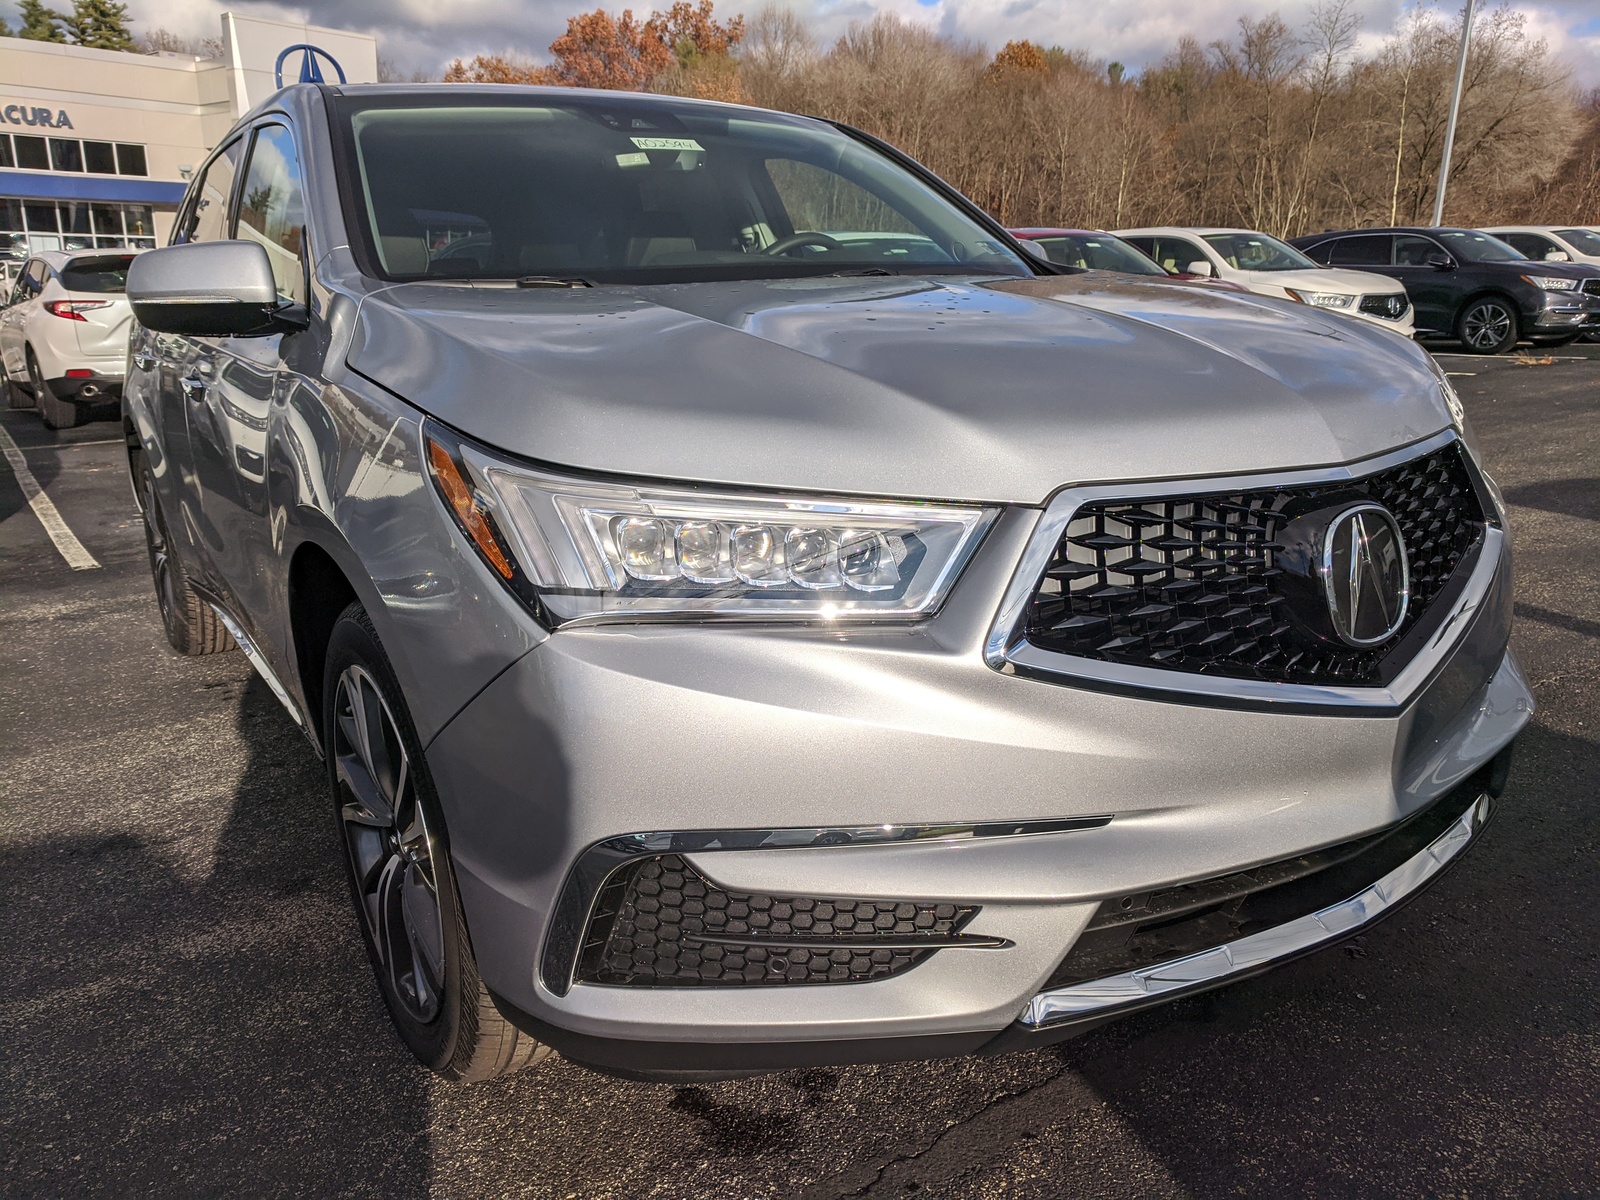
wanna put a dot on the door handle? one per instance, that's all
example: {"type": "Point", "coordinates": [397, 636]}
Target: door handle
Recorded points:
{"type": "Point", "coordinates": [144, 362]}
{"type": "Point", "coordinates": [193, 389]}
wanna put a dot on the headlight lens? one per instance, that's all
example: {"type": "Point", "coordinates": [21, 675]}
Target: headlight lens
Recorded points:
{"type": "Point", "coordinates": [1322, 299]}
{"type": "Point", "coordinates": [589, 551]}
{"type": "Point", "coordinates": [1552, 283]}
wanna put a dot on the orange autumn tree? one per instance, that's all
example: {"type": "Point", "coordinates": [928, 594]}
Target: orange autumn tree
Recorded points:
{"type": "Point", "coordinates": [496, 68]}
{"type": "Point", "coordinates": [598, 51]}
{"type": "Point", "coordinates": [702, 49]}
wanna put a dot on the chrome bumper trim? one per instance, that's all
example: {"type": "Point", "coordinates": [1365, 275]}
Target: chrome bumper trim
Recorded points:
{"type": "Point", "coordinates": [1210, 968]}
{"type": "Point", "coordinates": [242, 639]}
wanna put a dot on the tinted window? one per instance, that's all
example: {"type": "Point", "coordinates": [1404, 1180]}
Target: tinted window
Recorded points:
{"type": "Point", "coordinates": [1472, 246]}
{"type": "Point", "coordinates": [100, 158]}
{"type": "Point", "coordinates": [1584, 241]}
{"type": "Point", "coordinates": [32, 154]}
{"type": "Point", "coordinates": [272, 207]}
{"type": "Point", "coordinates": [1371, 250]}
{"type": "Point", "coordinates": [5, 151]}
{"type": "Point", "coordinates": [130, 160]}
{"type": "Point", "coordinates": [66, 154]}
{"type": "Point", "coordinates": [108, 274]}
{"type": "Point", "coordinates": [633, 190]}
{"type": "Point", "coordinates": [1412, 251]}
{"type": "Point", "coordinates": [207, 220]}
{"type": "Point", "coordinates": [1097, 252]}
{"type": "Point", "coordinates": [41, 218]}
{"type": "Point", "coordinates": [1257, 252]}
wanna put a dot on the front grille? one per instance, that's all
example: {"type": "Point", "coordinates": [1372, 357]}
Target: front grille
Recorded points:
{"type": "Point", "coordinates": [1195, 582]}
{"type": "Point", "coordinates": [1143, 929]}
{"type": "Point", "coordinates": [1591, 287]}
{"type": "Point", "coordinates": [659, 923]}
{"type": "Point", "coordinates": [1391, 306]}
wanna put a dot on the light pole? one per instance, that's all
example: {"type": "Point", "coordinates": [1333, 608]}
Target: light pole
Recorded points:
{"type": "Point", "coordinates": [1455, 108]}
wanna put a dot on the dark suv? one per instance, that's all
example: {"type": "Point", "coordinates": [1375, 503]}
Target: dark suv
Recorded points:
{"type": "Point", "coordinates": [1471, 286]}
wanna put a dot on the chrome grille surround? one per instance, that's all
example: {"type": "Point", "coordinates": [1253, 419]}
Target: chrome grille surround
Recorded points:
{"type": "Point", "coordinates": [1009, 649]}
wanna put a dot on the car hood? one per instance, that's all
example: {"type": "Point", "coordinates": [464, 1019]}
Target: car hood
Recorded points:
{"type": "Point", "coordinates": [970, 389]}
{"type": "Point", "coordinates": [1329, 279]}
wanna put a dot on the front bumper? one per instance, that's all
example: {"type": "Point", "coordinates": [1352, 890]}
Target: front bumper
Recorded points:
{"type": "Point", "coordinates": [600, 733]}
{"type": "Point", "coordinates": [1576, 312]}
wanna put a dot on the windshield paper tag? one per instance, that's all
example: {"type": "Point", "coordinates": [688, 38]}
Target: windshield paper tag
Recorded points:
{"type": "Point", "coordinates": [660, 143]}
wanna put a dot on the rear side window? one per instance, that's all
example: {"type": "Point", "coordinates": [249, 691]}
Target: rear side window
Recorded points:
{"type": "Point", "coordinates": [272, 208]}
{"type": "Point", "coordinates": [1369, 251]}
{"type": "Point", "coordinates": [1530, 244]}
{"type": "Point", "coordinates": [1175, 254]}
{"type": "Point", "coordinates": [108, 274]}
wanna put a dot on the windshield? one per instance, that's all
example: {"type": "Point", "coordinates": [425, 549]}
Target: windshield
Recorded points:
{"type": "Point", "coordinates": [1584, 241]}
{"type": "Point", "coordinates": [1097, 252]}
{"type": "Point", "coordinates": [628, 190]}
{"type": "Point", "coordinates": [1470, 246]}
{"type": "Point", "coordinates": [1258, 252]}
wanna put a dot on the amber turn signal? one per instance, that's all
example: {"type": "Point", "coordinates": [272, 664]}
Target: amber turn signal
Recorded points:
{"type": "Point", "coordinates": [459, 495]}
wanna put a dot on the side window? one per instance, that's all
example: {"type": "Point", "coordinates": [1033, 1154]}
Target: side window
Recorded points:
{"type": "Point", "coordinates": [1530, 244]}
{"type": "Point", "coordinates": [1369, 251]}
{"type": "Point", "coordinates": [1412, 251]}
{"type": "Point", "coordinates": [272, 208]}
{"type": "Point", "coordinates": [20, 290]}
{"type": "Point", "coordinates": [1175, 254]}
{"type": "Point", "coordinates": [37, 274]}
{"type": "Point", "coordinates": [209, 220]}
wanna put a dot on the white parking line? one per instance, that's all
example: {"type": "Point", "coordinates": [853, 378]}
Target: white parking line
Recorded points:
{"type": "Point", "coordinates": [78, 558]}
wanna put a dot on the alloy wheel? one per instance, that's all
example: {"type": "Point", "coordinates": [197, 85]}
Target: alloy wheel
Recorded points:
{"type": "Point", "coordinates": [390, 847]}
{"type": "Point", "coordinates": [1486, 325]}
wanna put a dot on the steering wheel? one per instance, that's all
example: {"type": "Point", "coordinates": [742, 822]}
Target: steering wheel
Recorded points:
{"type": "Point", "coordinates": [795, 240]}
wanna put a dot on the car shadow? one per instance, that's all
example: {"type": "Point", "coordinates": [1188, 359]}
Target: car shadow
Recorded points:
{"type": "Point", "coordinates": [1565, 497]}
{"type": "Point", "coordinates": [204, 1036]}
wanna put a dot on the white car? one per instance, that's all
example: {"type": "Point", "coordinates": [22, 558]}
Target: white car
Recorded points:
{"type": "Point", "coordinates": [64, 333]}
{"type": "Point", "coordinates": [1551, 243]}
{"type": "Point", "coordinates": [1269, 267]}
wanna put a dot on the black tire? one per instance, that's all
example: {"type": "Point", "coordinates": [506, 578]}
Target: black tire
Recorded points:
{"type": "Point", "coordinates": [191, 625]}
{"type": "Point", "coordinates": [401, 881]}
{"type": "Point", "coordinates": [54, 411]}
{"type": "Point", "coordinates": [1488, 325]}
{"type": "Point", "coordinates": [17, 396]}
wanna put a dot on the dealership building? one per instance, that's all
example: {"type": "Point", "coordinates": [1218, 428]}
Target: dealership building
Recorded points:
{"type": "Point", "coordinates": [96, 146]}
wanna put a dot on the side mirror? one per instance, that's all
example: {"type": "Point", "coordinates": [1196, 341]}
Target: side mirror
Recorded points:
{"type": "Point", "coordinates": [1557, 256]}
{"type": "Point", "coordinates": [210, 289]}
{"type": "Point", "coordinates": [1034, 249]}
{"type": "Point", "coordinates": [1441, 262]}
{"type": "Point", "coordinates": [1199, 267]}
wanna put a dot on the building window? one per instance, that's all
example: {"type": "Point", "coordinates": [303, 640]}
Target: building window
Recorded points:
{"type": "Point", "coordinates": [66, 154]}
{"type": "Point", "coordinates": [69, 154]}
{"type": "Point", "coordinates": [99, 158]}
{"type": "Point", "coordinates": [28, 226]}
{"type": "Point", "coordinates": [31, 153]}
{"type": "Point", "coordinates": [130, 160]}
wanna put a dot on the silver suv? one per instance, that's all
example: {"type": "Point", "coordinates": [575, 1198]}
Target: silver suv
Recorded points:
{"type": "Point", "coordinates": [753, 615]}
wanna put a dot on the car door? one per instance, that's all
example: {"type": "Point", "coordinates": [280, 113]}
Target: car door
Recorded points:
{"type": "Point", "coordinates": [1434, 290]}
{"type": "Point", "coordinates": [230, 404]}
{"type": "Point", "coordinates": [18, 314]}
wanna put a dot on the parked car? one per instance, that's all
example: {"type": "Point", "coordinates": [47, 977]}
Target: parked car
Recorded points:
{"type": "Point", "coordinates": [1269, 267]}
{"type": "Point", "coordinates": [64, 333]}
{"type": "Point", "coordinates": [1472, 287]}
{"type": "Point", "coordinates": [1544, 243]}
{"type": "Point", "coordinates": [734, 646]}
{"type": "Point", "coordinates": [1095, 250]}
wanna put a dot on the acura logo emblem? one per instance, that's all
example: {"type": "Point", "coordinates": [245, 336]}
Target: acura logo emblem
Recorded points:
{"type": "Point", "coordinates": [1365, 574]}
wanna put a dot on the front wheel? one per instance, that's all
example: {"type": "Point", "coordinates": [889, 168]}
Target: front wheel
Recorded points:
{"type": "Point", "coordinates": [1488, 326]}
{"type": "Point", "coordinates": [17, 396]}
{"type": "Point", "coordinates": [191, 625]}
{"type": "Point", "coordinates": [401, 879]}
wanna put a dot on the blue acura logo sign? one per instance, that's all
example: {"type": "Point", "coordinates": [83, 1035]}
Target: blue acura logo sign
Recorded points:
{"type": "Point", "coordinates": [310, 67]}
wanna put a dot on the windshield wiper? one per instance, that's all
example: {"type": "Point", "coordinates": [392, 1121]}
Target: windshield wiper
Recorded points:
{"type": "Point", "coordinates": [853, 272]}
{"type": "Point", "coordinates": [553, 281]}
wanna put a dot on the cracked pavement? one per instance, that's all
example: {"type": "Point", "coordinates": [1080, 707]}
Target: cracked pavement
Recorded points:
{"type": "Point", "coordinates": [189, 1010]}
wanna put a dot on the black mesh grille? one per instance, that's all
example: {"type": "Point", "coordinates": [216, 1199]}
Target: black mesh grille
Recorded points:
{"type": "Point", "coordinates": [1391, 305]}
{"type": "Point", "coordinates": [1194, 583]}
{"type": "Point", "coordinates": [1591, 287]}
{"type": "Point", "coordinates": [660, 923]}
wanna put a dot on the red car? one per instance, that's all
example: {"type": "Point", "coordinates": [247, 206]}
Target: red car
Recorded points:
{"type": "Point", "coordinates": [1095, 251]}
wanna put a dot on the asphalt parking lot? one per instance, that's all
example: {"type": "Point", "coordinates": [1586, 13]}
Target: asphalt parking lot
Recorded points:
{"type": "Point", "coordinates": [190, 1011]}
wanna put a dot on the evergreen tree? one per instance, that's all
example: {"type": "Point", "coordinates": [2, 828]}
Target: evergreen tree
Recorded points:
{"type": "Point", "coordinates": [40, 24]}
{"type": "Point", "coordinates": [102, 24]}
{"type": "Point", "coordinates": [5, 29]}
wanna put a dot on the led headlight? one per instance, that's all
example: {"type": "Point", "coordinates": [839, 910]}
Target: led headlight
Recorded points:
{"type": "Point", "coordinates": [588, 551]}
{"type": "Point", "coordinates": [1322, 299]}
{"type": "Point", "coordinates": [1552, 283]}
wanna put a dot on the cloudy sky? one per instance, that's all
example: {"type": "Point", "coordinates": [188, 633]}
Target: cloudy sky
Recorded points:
{"type": "Point", "coordinates": [425, 34]}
